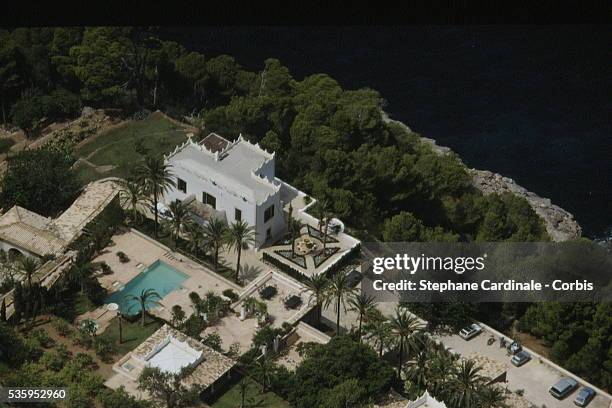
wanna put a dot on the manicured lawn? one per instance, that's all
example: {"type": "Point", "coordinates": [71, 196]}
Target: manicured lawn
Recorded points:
{"type": "Point", "coordinates": [86, 172]}
{"type": "Point", "coordinates": [133, 333]}
{"type": "Point", "coordinates": [119, 147]}
{"type": "Point", "coordinates": [232, 398]}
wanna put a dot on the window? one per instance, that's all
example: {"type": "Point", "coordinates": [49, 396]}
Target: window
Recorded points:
{"type": "Point", "coordinates": [268, 234]}
{"type": "Point", "coordinates": [237, 214]}
{"type": "Point", "coordinates": [269, 213]}
{"type": "Point", "coordinates": [209, 199]}
{"type": "Point", "coordinates": [181, 185]}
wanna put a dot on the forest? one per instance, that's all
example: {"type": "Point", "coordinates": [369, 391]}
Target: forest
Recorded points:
{"type": "Point", "coordinates": [331, 142]}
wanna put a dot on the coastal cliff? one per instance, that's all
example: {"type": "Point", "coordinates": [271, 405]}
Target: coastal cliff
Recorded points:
{"type": "Point", "coordinates": [560, 224]}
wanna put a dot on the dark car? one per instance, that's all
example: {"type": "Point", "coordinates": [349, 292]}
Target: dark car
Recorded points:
{"type": "Point", "coordinates": [520, 358]}
{"type": "Point", "coordinates": [563, 388]}
{"type": "Point", "coordinates": [514, 348]}
{"type": "Point", "coordinates": [585, 395]}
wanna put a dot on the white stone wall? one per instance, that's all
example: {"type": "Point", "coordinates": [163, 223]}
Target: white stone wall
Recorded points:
{"type": "Point", "coordinates": [277, 223]}
{"type": "Point", "coordinates": [228, 202]}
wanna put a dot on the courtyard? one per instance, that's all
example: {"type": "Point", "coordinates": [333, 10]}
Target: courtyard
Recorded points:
{"type": "Point", "coordinates": [288, 304]}
{"type": "Point", "coordinates": [314, 252]}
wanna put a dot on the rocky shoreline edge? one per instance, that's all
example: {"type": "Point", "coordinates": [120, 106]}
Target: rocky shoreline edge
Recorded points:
{"type": "Point", "coordinates": [560, 224]}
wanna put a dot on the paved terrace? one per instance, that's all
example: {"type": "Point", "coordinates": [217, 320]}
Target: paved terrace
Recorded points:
{"type": "Point", "coordinates": [232, 329]}
{"type": "Point", "coordinates": [142, 252]}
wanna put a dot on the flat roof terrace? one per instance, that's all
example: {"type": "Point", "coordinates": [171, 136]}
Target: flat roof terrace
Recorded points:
{"type": "Point", "coordinates": [231, 169]}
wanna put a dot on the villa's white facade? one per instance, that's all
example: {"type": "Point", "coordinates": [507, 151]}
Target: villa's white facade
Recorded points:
{"type": "Point", "coordinates": [235, 178]}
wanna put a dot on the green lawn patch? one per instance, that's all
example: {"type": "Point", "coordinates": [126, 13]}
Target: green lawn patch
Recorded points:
{"type": "Point", "coordinates": [133, 333]}
{"type": "Point", "coordinates": [127, 145]}
{"type": "Point", "coordinates": [86, 172]}
{"type": "Point", "coordinates": [254, 398]}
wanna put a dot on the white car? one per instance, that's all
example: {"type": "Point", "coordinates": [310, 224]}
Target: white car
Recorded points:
{"type": "Point", "coordinates": [163, 211]}
{"type": "Point", "coordinates": [472, 330]}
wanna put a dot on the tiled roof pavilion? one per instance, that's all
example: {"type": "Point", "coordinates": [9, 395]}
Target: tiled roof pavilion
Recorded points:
{"type": "Point", "coordinates": [41, 235]}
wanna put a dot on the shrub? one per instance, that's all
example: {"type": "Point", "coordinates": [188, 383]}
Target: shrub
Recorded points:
{"type": "Point", "coordinates": [123, 258]}
{"type": "Point", "coordinates": [43, 338]}
{"type": "Point", "coordinates": [272, 292]}
{"type": "Point", "coordinates": [5, 144]}
{"type": "Point", "coordinates": [106, 270]}
{"type": "Point", "coordinates": [193, 326]}
{"type": "Point", "coordinates": [213, 340]}
{"type": "Point", "coordinates": [104, 348]}
{"type": "Point", "coordinates": [178, 315]}
{"type": "Point", "coordinates": [230, 294]}
{"type": "Point", "coordinates": [80, 338]}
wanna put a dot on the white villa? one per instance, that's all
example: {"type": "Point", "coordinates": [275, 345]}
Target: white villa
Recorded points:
{"type": "Point", "coordinates": [426, 401]}
{"type": "Point", "coordinates": [233, 180]}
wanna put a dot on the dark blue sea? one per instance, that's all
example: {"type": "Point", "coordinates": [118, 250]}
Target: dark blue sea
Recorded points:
{"type": "Point", "coordinates": [531, 103]}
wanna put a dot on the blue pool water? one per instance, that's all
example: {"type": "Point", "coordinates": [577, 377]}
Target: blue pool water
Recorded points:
{"type": "Point", "coordinates": [159, 276]}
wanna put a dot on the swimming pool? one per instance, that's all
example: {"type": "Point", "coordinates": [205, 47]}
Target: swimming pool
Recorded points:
{"type": "Point", "coordinates": [159, 276]}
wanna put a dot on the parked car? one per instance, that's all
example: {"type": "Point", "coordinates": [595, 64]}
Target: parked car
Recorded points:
{"type": "Point", "coordinates": [563, 387]}
{"type": "Point", "coordinates": [163, 211]}
{"type": "Point", "coordinates": [471, 331]}
{"type": "Point", "coordinates": [520, 358]}
{"type": "Point", "coordinates": [585, 395]}
{"type": "Point", "coordinates": [514, 348]}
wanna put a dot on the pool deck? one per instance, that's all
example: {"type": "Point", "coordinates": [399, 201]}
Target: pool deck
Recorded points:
{"type": "Point", "coordinates": [142, 252]}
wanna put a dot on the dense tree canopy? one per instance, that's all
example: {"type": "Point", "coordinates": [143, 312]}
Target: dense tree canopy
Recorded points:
{"type": "Point", "coordinates": [330, 366]}
{"type": "Point", "coordinates": [39, 180]}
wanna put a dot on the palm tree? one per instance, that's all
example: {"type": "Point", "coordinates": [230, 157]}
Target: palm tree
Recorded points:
{"type": "Point", "coordinates": [215, 231]}
{"type": "Point", "coordinates": [379, 330]}
{"type": "Point", "coordinates": [323, 210]}
{"type": "Point", "coordinates": [441, 372]}
{"type": "Point", "coordinates": [179, 218]}
{"type": "Point", "coordinates": [132, 199]}
{"type": "Point", "coordinates": [264, 368]}
{"type": "Point", "coordinates": [295, 230]}
{"type": "Point", "coordinates": [239, 235]}
{"type": "Point", "coordinates": [492, 397]}
{"type": "Point", "coordinates": [243, 386]}
{"type": "Point", "coordinates": [29, 266]}
{"type": "Point", "coordinates": [196, 242]}
{"type": "Point", "coordinates": [417, 371]}
{"type": "Point", "coordinates": [318, 287]}
{"type": "Point", "coordinates": [339, 292]}
{"type": "Point", "coordinates": [362, 304]}
{"type": "Point", "coordinates": [156, 179]}
{"type": "Point", "coordinates": [79, 272]}
{"type": "Point", "coordinates": [466, 385]}
{"type": "Point", "coordinates": [146, 297]}
{"type": "Point", "coordinates": [403, 326]}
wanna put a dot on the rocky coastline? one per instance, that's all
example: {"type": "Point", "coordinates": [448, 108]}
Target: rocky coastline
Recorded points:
{"type": "Point", "coordinates": [560, 224]}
